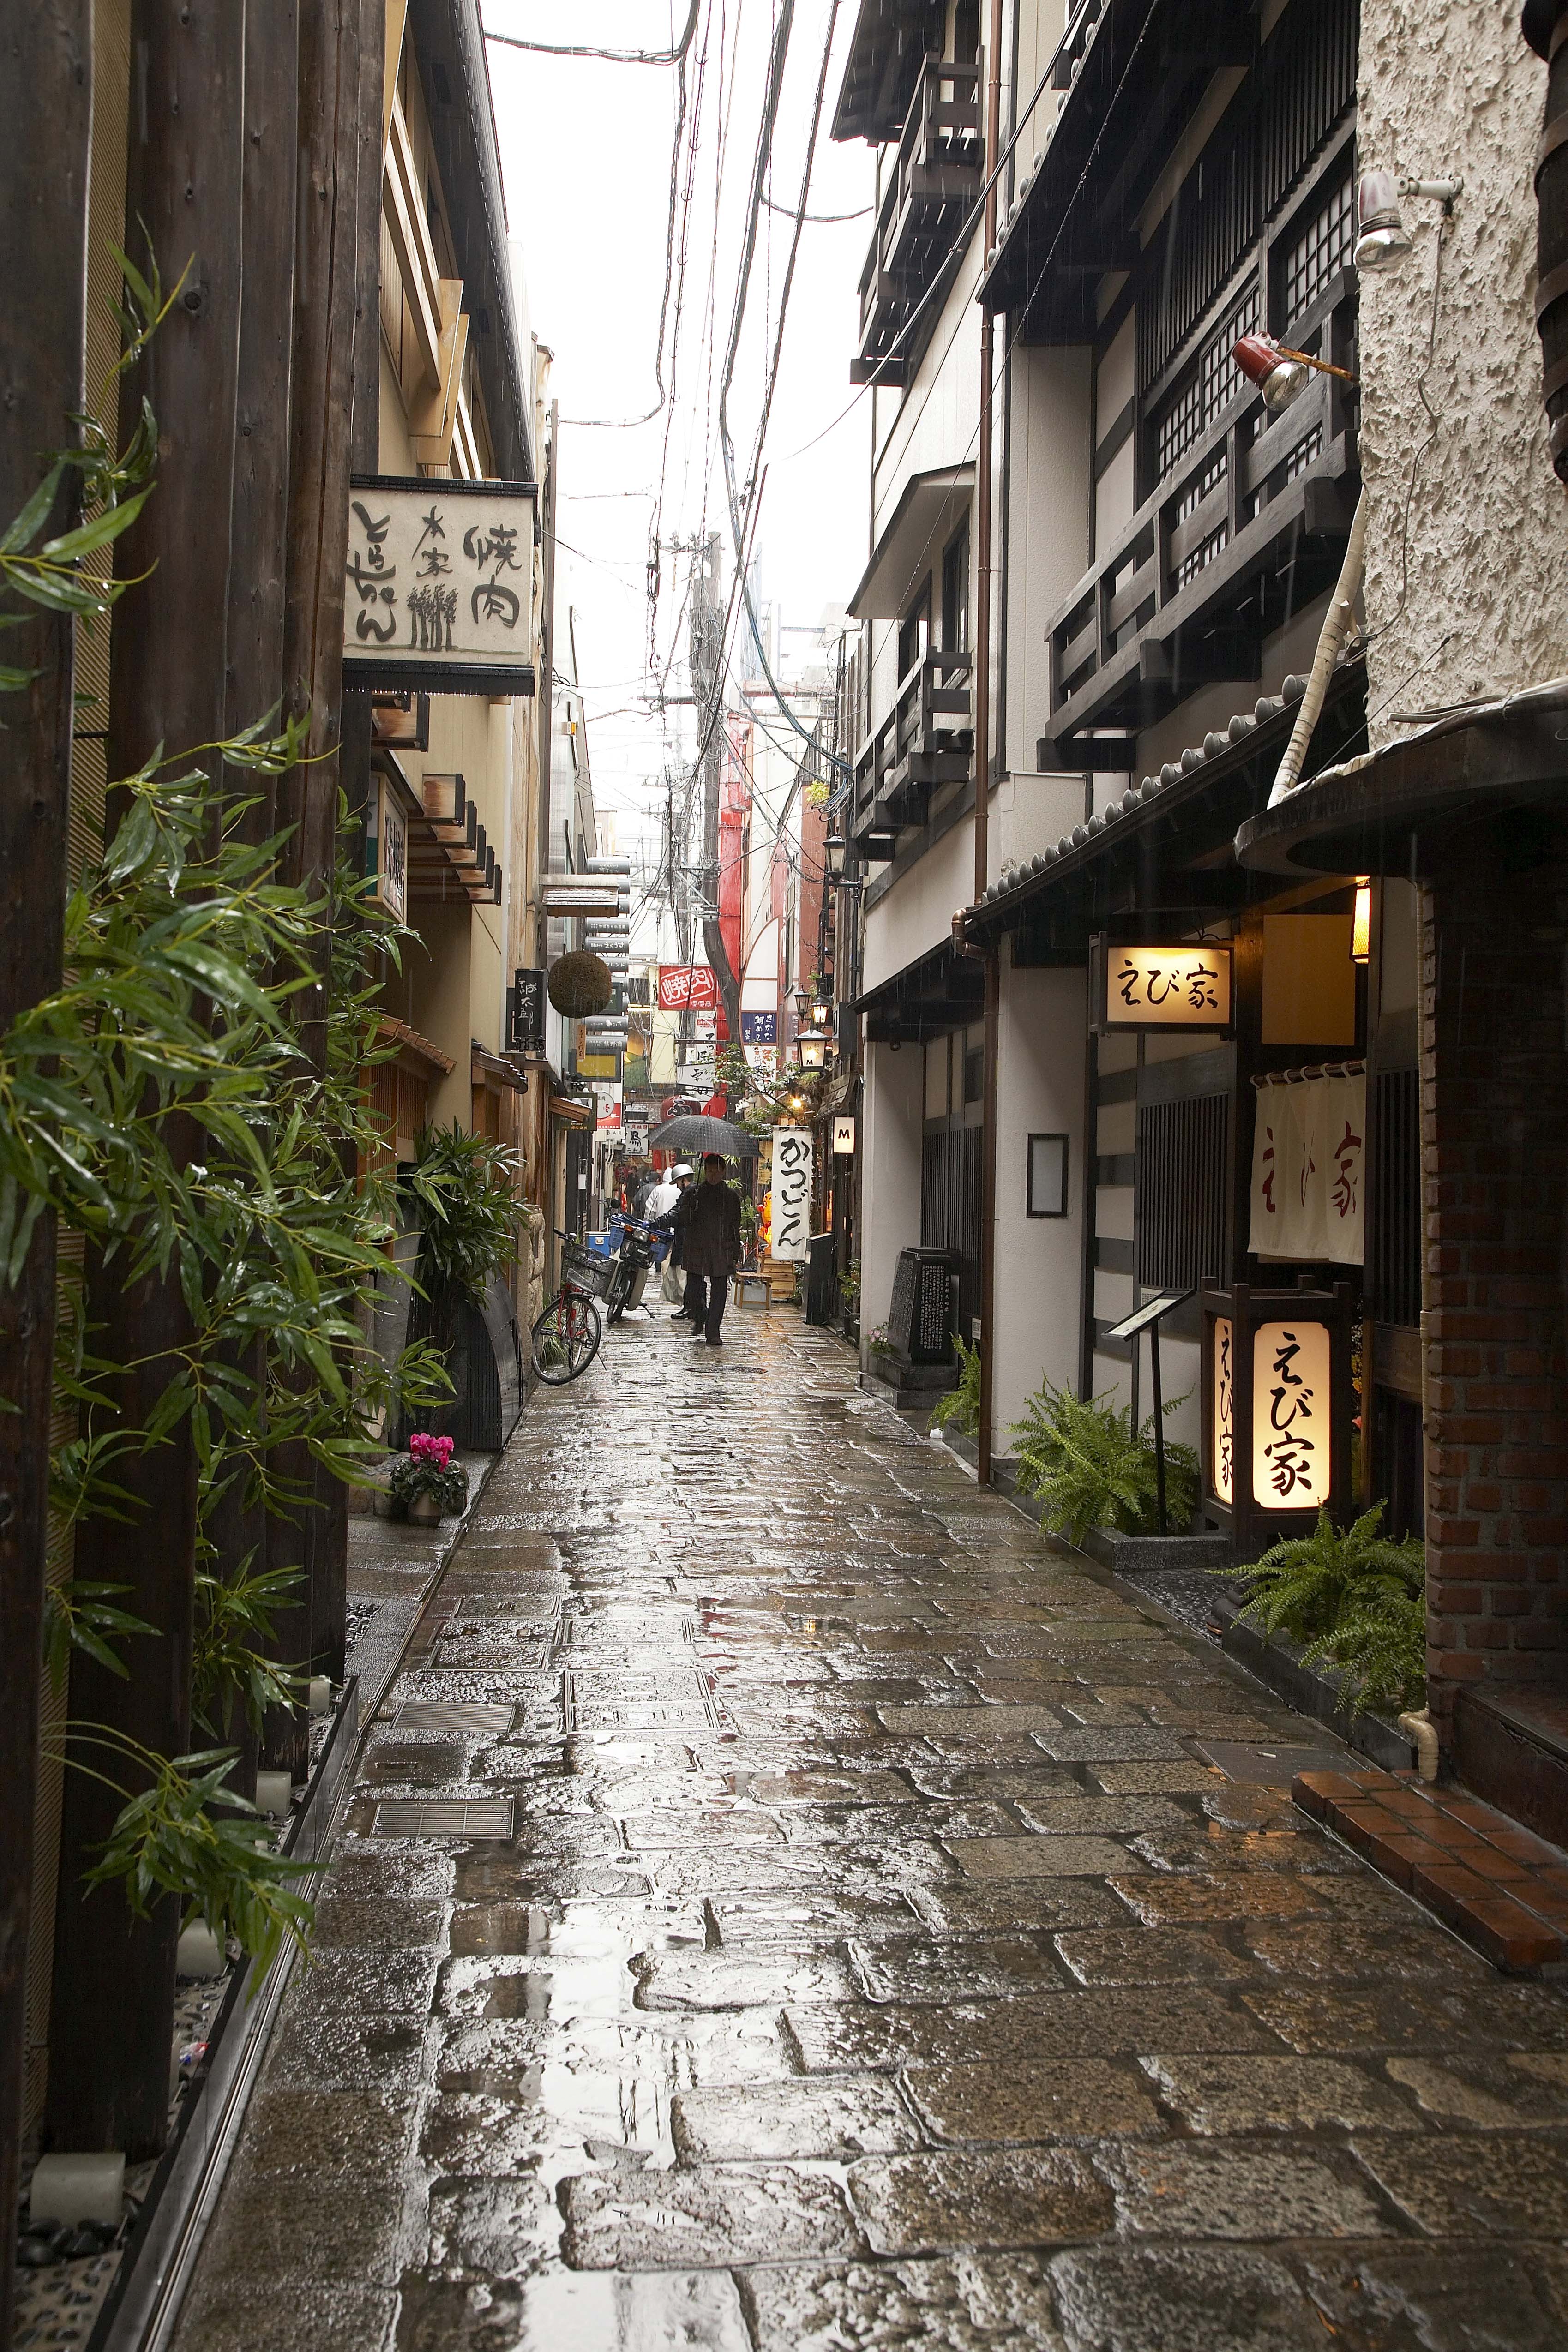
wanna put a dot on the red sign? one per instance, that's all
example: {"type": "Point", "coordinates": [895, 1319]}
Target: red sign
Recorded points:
{"type": "Point", "coordinates": [683, 985]}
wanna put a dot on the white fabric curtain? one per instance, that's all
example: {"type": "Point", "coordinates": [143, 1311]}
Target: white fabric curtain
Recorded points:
{"type": "Point", "coordinates": [1308, 1168]}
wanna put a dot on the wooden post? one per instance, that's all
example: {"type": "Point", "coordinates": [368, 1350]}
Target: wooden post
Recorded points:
{"type": "Point", "coordinates": [114, 1977]}
{"type": "Point", "coordinates": [46, 117]}
{"type": "Point", "coordinates": [327, 280]}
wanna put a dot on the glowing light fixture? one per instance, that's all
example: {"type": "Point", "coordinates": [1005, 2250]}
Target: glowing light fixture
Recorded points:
{"type": "Point", "coordinates": [1360, 928]}
{"type": "Point", "coordinates": [813, 1051]}
{"type": "Point", "coordinates": [1280, 374]}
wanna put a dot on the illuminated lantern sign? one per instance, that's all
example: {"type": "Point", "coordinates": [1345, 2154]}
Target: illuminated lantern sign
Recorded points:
{"type": "Point", "coordinates": [843, 1135]}
{"type": "Point", "coordinates": [1278, 1409]}
{"type": "Point", "coordinates": [791, 1227]}
{"type": "Point", "coordinates": [1290, 1390]}
{"type": "Point", "coordinates": [1222, 1467]}
{"type": "Point", "coordinates": [1161, 987]}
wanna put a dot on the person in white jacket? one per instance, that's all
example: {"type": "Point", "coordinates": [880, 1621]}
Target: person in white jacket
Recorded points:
{"type": "Point", "coordinates": [659, 1204]}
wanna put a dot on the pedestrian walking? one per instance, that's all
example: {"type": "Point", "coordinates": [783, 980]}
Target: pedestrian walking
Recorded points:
{"type": "Point", "coordinates": [708, 1224]}
{"type": "Point", "coordinates": [663, 1199]}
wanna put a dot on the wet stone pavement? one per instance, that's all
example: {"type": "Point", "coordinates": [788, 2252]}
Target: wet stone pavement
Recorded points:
{"type": "Point", "coordinates": [786, 1904]}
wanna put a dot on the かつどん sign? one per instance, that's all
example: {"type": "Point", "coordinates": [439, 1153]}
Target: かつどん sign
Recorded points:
{"type": "Point", "coordinates": [791, 1192]}
{"type": "Point", "coordinates": [439, 585]}
{"type": "Point", "coordinates": [1161, 987]}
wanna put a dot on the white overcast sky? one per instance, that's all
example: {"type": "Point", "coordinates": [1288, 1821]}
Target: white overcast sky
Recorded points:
{"type": "Point", "coordinates": [586, 151]}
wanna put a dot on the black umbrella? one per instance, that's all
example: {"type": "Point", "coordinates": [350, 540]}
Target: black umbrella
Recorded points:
{"type": "Point", "coordinates": [697, 1133]}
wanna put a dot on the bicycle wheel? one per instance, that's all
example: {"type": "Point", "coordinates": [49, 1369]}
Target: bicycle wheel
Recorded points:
{"type": "Point", "coordinates": [620, 1290]}
{"type": "Point", "coordinates": [565, 1340]}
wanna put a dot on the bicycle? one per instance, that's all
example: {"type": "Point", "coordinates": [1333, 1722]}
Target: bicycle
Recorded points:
{"type": "Point", "coordinates": [565, 1337]}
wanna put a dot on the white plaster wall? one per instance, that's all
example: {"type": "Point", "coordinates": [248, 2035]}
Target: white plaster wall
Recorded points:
{"type": "Point", "coordinates": [917, 913]}
{"type": "Point", "coordinates": [1448, 89]}
{"type": "Point", "coordinates": [1048, 528]}
{"type": "Point", "coordinates": [1040, 1090]}
{"type": "Point", "coordinates": [890, 1176]}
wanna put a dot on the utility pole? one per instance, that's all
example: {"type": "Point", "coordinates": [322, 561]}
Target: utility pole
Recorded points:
{"type": "Point", "coordinates": [707, 691]}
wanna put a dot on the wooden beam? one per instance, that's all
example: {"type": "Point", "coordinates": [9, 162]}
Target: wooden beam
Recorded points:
{"type": "Point", "coordinates": [114, 1976]}
{"type": "Point", "coordinates": [46, 113]}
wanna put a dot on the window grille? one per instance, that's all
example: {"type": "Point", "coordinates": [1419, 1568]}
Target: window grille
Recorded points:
{"type": "Point", "coordinates": [1393, 1199]}
{"type": "Point", "coordinates": [1207, 479]}
{"type": "Point", "coordinates": [1183, 1160]}
{"type": "Point", "coordinates": [1203, 554]}
{"type": "Point", "coordinates": [1322, 249]}
{"type": "Point", "coordinates": [1306, 452]}
{"type": "Point", "coordinates": [1207, 391]}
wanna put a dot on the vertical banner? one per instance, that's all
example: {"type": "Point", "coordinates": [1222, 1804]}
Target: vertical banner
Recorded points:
{"type": "Point", "coordinates": [1345, 1167]}
{"type": "Point", "coordinates": [791, 1194]}
{"type": "Point", "coordinates": [1308, 1168]}
{"type": "Point", "coordinates": [1222, 1469]}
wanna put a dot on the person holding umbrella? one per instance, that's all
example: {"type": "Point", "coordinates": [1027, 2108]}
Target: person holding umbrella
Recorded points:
{"type": "Point", "coordinates": [707, 1222]}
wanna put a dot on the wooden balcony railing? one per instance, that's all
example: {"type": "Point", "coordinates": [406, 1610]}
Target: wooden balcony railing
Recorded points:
{"type": "Point", "coordinates": [926, 740]}
{"type": "Point", "coordinates": [1247, 526]}
{"type": "Point", "coordinates": [935, 180]}
{"type": "Point", "coordinates": [432, 337]}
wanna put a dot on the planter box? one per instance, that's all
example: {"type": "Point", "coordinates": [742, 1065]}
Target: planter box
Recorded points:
{"type": "Point", "coordinates": [1310, 1690]}
{"type": "Point", "coordinates": [1140, 1556]}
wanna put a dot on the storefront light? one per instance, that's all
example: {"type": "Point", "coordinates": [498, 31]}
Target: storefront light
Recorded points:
{"type": "Point", "coordinates": [812, 1052]}
{"type": "Point", "coordinates": [1360, 928]}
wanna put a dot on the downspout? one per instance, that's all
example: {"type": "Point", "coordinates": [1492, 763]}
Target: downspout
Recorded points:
{"type": "Point", "coordinates": [983, 767]}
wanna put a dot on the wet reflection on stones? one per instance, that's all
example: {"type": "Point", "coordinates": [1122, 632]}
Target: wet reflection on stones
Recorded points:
{"type": "Point", "coordinates": [877, 1958]}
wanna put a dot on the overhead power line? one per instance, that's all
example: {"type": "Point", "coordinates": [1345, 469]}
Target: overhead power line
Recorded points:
{"type": "Point", "coordinates": [610, 57]}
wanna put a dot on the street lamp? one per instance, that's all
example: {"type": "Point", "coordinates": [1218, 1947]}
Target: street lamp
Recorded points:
{"type": "Point", "coordinates": [812, 1044]}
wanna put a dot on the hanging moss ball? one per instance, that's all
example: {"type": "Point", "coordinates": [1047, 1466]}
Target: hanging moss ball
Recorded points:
{"type": "Point", "coordinates": [579, 983]}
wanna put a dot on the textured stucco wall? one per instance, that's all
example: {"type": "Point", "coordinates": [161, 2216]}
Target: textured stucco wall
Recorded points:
{"type": "Point", "coordinates": [1450, 90]}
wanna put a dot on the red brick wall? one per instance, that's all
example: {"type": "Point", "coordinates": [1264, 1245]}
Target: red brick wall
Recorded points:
{"type": "Point", "coordinates": [1494, 1106]}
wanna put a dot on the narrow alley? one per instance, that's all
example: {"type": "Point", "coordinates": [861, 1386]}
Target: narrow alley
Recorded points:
{"type": "Point", "coordinates": [786, 1904]}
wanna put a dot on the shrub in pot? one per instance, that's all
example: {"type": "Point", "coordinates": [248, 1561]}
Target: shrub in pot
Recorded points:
{"type": "Point", "coordinates": [1356, 1599]}
{"type": "Point", "coordinates": [1091, 1468]}
{"type": "Point", "coordinates": [428, 1485]}
{"type": "Point", "coordinates": [466, 1189]}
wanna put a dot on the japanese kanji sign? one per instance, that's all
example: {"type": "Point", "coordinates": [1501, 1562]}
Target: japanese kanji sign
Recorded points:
{"type": "Point", "coordinates": [1222, 1469]}
{"type": "Point", "coordinates": [439, 585]}
{"type": "Point", "coordinates": [759, 1028]}
{"type": "Point", "coordinates": [1163, 988]}
{"type": "Point", "coordinates": [684, 984]}
{"type": "Point", "coordinates": [791, 1192]}
{"type": "Point", "coordinates": [1309, 1153]}
{"type": "Point", "coordinates": [1291, 1367]}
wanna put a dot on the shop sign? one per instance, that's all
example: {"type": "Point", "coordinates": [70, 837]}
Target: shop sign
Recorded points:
{"type": "Point", "coordinates": [759, 1028]}
{"type": "Point", "coordinates": [1308, 1154]}
{"type": "Point", "coordinates": [608, 1101]}
{"type": "Point", "coordinates": [791, 1227]}
{"type": "Point", "coordinates": [1136, 988]}
{"type": "Point", "coordinates": [1221, 1468]}
{"type": "Point", "coordinates": [843, 1136]}
{"type": "Point", "coordinates": [387, 851]}
{"type": "Point", "coordinates": [525, 1011]}
{"type": "Point", "coordinates": [439, 585]}
{"type": "Point", "coordinates": [1291, 1367]}
{"type": "Point", "coordinates": [688, 986]}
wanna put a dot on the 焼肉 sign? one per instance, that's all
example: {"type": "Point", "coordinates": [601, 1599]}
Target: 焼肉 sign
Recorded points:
{"type": "Point", "coordinates": [683, 986]}
{"type": "Point", "coordinates": [439, 585]}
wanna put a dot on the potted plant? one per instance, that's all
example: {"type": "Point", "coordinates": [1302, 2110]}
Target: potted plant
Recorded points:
{"type": "Point", "coordinates": [1352, 1599]}
{"type": "Point", "coordinates": [428, 1485]}
{"type": "Point", "coordinates": [466, 1189]}
{"type": "Point", "coordinates": [849, 1299]}
{"type": "Point", "coordinates": [1093, 1475]}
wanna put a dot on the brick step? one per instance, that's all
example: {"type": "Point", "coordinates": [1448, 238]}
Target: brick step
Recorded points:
{"type": "Point", "coordinates": [1504, 1890]}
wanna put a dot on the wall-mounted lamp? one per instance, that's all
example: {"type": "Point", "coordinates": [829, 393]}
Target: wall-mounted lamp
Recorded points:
{"type": "Point", "coordinates": [813, 1051]}
{"type": "Point", "coordinates": [1279, 374]}
{"type": "Point", "coordinates": [1361, 925]}
{"type": "Point", "coordinates": [1383, 237]}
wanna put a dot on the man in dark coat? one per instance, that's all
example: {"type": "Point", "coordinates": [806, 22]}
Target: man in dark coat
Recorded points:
{"type": "Point", "coordinates": [708, 1221]}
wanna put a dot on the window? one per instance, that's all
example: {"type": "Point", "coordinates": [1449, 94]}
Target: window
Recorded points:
{"type": "Point", "coordinates": [1183, 1173]}
{"type": "Point", "coordinates": [1320, 252]}
{"type": "Point", "coordinates": [955, 596]}
{"type": "Point", "coordinates": [1210, 385]}
{"type": "Point", "coordinates": [914, 633]}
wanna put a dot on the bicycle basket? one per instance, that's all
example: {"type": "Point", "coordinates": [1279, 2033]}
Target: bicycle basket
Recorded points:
{"type": "Point", "coordinates": [585, 1272]}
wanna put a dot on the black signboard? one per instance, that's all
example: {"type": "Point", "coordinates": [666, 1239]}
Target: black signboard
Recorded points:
{"type": "Point", "coordinates": [919, 1320]}
{"type": "Point", "coordinates": [525, 1012]}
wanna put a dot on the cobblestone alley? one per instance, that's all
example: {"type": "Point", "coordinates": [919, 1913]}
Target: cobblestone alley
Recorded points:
{"type": "Point", "coordinates": [786, 1904]}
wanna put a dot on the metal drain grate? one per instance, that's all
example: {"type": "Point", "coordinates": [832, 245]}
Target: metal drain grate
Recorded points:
{"type": "Point", "coordinates": [459, 1817]}
{"type": "Point", "coordinates": [440, 1715]}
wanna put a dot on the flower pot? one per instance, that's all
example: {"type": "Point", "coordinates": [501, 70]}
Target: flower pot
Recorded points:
{"type": "Point", "coordinates": [424, 1511]}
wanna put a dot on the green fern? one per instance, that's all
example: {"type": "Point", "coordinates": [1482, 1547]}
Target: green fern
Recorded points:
{"type": "Point", "coordinates": [1356, 1599]}
{"type": "Point", "coordinates": [960, 1405]}
{"type": "Point", "coordinates": [1090, 1467]}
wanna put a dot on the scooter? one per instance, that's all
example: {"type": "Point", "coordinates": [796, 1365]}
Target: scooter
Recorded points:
{"type": "Point", "coordinates": [628, 1275]}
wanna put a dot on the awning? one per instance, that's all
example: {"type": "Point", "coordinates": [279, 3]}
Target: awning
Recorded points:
{"type": "Point", "coordinates": [941, 991]}
{"type": "Point", "coordinates": [1413, 806]}
{"type": "Point", "coordinates": [929, 512]}
{"type": "Point", "coordinates": [839, 1095]}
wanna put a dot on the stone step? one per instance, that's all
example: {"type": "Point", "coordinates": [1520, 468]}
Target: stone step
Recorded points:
{"type": "Point", "coordinates": [1499, 1888]}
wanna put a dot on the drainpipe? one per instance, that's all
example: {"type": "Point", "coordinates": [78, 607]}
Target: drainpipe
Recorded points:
{"type": "Point", "coordinates": [983, 763]}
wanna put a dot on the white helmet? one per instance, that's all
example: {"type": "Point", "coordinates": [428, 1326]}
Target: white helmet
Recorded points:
{"type": "Point", "coordinates": [682, 1169]}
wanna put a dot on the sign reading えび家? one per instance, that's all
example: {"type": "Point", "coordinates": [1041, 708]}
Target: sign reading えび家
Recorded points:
{"type": "Point", "coordinates": [1161, 987]}
{"type": "Point", "coordinates": [791, 1194]}
{"type": "Point", "coordinates": [439, 585]}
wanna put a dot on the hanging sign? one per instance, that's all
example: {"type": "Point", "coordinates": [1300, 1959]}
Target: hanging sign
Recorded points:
{"type": "Point", "coordinates": [1134, 988]}
{"type": "Point", "coordinates": [386, 849]}
{"type": "Point", "coordinates": [1309, 1152]}
{"type": "Point", "coordinates": [525, 1011]}
{"type": "Point", "coordinates": [439, 585]}
{"type": "Point", "coordinates": [791, 1192]}
{"type": "Point", "coordinates": [843, 1135]}
{"type": "Point", "coordinates": [759, 1028]}
{"type": "Point", "coordinates": [684, 985]}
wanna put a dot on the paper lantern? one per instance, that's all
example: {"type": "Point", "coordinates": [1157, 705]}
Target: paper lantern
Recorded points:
{"type": "Point", "coordinates": [1279, 1406]}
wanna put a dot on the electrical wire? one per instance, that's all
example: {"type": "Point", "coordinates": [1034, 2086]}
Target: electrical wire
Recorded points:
{"type": "Point", "coordinates": [610, 57]}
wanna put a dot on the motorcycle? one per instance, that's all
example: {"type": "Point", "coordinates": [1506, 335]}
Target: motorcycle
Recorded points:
{"type": "Point", "coordinates": [629, 1273]}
